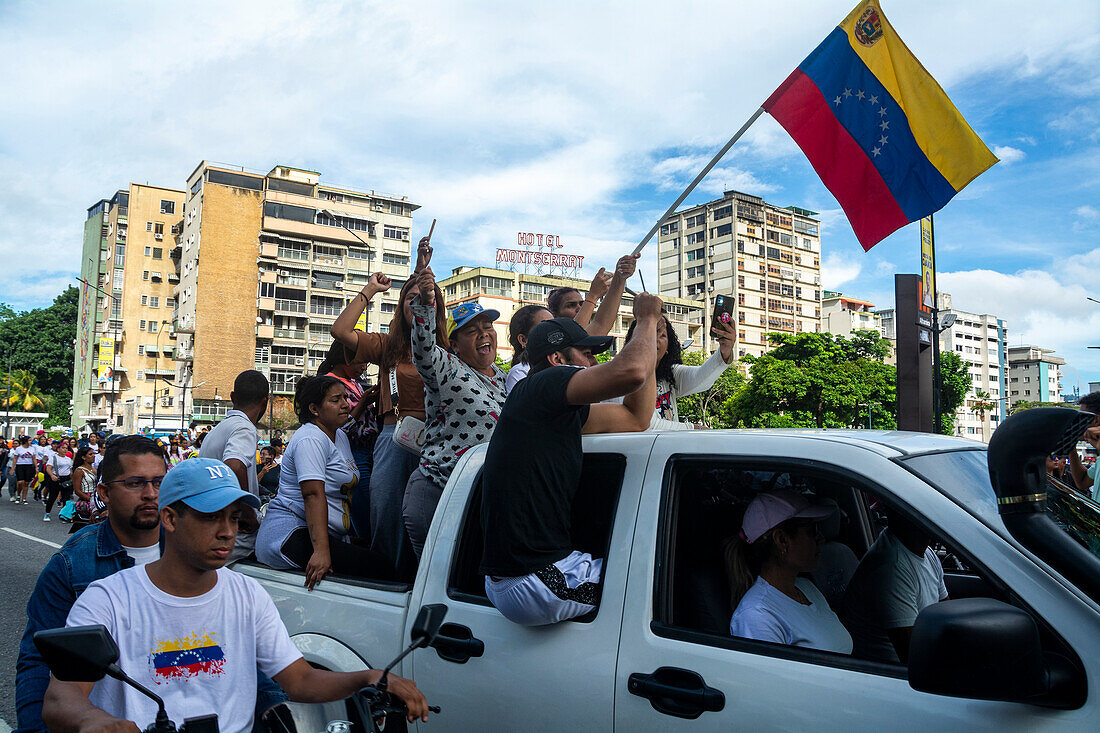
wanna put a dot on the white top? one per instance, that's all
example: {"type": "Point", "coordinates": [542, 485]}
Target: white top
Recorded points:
{"type": "Point", "coordinates": [143, 555]}
{"type": "Point", "coordinates": [62, 465]}
{"type": "Point", "coordinates": [24, 455]}
{"type": "Point", "coordinates": [516, 375]}
{"type": "Point", "coordinates": [234, 437]}
{"type": "Point", "coordinates": [41, 452]}
{"type": "Point", "coordinates": [768, 614]}
{"type": "Point", "coordinates": [311, 456]}
{"type": "Point", "coordinates": [890, 587]}
{"type": "Point", "coordinates": [199, 654]}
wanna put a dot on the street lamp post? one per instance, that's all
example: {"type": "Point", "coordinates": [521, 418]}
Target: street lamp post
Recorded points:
{"type": "Point", "coordinates": [114, 347]}
{"type": "Point", "coordinates": [156, 362]}
{"type": "Point", "coordinates": [7, 397]}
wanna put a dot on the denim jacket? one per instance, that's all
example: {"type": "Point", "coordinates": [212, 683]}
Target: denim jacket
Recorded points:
{"type": "Point", "coordinates": [91, 554]}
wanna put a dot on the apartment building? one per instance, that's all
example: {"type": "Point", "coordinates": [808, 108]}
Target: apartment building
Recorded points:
{"type": "Point", "coordinates": [123, 341]}
{"type": "Point", "coordinates": [1034, 375]}
{"type": "Point", "coordinates": [506, 291]}
{"type": "Point", "coordinates": [768, 258]}
{"type": "Point", "coordinates": [265, 263]}
{"type": "Point", "coordinates": [980, 340]}
{"type": "Point", "coordinates": [841, 314]}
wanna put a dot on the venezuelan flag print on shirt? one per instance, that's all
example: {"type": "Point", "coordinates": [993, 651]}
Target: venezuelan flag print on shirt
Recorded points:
{"type": "Point", "coordinates": [197, 655]}
{"type": "Point", "coordinates": [880, 132]}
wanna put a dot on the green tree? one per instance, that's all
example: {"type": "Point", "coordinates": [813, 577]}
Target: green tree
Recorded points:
{"type": "Point", "coordinates": [954, 384]}
{"type": "Point", "coordinates": [22, 392]}
{"type": "Point", "coordinates": [41, 343]}
{"type": "Point", "coordinates": [1021, 405]}
{"type": "Point", "coordinates": [982, 404]}
{"type": "Point", "coordinates": [708, 407]}
{"type": "Point", "coordinates": [817, 380]}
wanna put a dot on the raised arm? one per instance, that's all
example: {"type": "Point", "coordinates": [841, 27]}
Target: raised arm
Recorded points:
{"type": "Point", "coordinates": [627, 372]}
{"type": "Point", "coordinates": [431, 360]}
{"type": "Point", "coordinates": [344, 327]}
{"type": "Point", "coordinates": [609, 309]}
{"type": "Point", "coordinates": [596, 290]}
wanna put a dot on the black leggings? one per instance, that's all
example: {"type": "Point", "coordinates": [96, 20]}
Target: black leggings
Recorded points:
{"type": "Point", "coordinates": [347, 559]}
{"type": "Point", "coordinates": [53, 490]}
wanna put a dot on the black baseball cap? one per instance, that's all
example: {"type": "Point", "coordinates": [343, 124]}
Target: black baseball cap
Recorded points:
{"type": "Point", "coordinates": [561, 333]}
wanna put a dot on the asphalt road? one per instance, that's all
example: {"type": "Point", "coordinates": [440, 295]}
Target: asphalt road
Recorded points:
{"type": "Point", "coordinates": [26, 543]}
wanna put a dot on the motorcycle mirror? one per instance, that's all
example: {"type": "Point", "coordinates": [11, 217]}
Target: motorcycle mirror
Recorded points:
{"type": "Point", "coordinates": [427, 623]}
{"type": "Point", "coordinates": [79, 653]}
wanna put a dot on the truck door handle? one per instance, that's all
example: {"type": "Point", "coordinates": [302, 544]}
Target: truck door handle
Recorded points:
{"type": "Point", "coordinates": [456, 643]}
{"type": "Point", "coordinates": [678, 692]}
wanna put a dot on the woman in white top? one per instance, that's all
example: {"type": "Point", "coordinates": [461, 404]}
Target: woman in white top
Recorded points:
{"type": "Point", "coordinates": [675, 379]}
{"type": "Point", "coordinates": [88, 504]}
{"type": "Point", "coordinates": [23, 460]}
{"type": "Point", "coordinates": [307, 524]}
{"type": "Point", "coordinates": [523, 320]}
{"type": "Point", "coordinates": [778, 542]}
{"type": "Point", "coordinates": [59, 471]}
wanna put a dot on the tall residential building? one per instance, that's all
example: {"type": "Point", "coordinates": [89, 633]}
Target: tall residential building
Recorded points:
{"type": "Point", "coordinates": [121, 339]}
{"type": "Point", "coordinates": [980, 340]}
{"type": "Point", "coordinates": [768, 258]}
{"type": "Point", "coordinates": [1034, 375]}
{"type": "Point", "coordinates": [281, 254]}
{"type": "Point", "coordinates": [842, 314]}
{"type": "Point", "coordinates": [506, 291]}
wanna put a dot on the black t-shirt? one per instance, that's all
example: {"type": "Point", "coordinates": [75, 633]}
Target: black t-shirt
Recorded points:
{"type": "Point", "coordinates": [532, 470]}
{"type": "Point", "coordinates": [269, 482]}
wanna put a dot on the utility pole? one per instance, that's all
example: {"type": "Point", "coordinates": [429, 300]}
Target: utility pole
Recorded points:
{"type": "Point", "coordinates": [114, 344]}
{"type": "Point", "coordinates": [7, 396]}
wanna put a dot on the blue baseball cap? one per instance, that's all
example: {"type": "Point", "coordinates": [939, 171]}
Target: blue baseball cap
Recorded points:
{"type": "Point", "coordinates": [204, 484]}
{"type": "Point", "coordinates": [463, 314]}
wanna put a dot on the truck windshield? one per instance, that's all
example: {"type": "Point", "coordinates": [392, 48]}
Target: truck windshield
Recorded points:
{"type": "Point", "coordinates": [964, 476]}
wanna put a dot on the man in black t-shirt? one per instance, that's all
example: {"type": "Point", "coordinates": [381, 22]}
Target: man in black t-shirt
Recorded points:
{"type": "Point", "coordinates": [532, 468]}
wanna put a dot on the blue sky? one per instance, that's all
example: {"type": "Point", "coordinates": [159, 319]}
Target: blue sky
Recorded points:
{"type": "Point", "coordinates": [578, 119]}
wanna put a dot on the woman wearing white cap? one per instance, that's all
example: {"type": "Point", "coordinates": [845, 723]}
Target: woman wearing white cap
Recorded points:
{"type": "Point", "coordinates": [779, 541]}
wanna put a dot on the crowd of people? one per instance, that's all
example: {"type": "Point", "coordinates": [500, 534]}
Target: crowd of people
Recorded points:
{"type": "Point", "coordinates": [353, 492]}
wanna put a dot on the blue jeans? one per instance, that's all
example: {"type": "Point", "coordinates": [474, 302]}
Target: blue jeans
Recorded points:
{"type": "Point", "coordinates": [392, 467]}
{"type": "Point", "coordinates": [360, 500]}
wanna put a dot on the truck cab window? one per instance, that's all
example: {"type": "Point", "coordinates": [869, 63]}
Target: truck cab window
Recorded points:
{"type": "Point", "coordinates": [592, 519]}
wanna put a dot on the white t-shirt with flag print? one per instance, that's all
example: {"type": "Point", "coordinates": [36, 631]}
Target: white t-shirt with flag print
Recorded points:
{"type": "Point", "coordinates": [199, 654]}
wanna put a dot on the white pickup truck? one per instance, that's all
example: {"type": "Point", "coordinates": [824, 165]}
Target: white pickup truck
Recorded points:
{"type": "Point", "coordinates": [1016, 648]}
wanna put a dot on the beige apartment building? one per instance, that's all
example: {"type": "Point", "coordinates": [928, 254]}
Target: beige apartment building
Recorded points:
{"type": "Point", "coordinates": [266, 261]}
{"type": "Point", "coordinates": [505, 291]}
{"type": "Point", "coordinates": [766, 257]}
{"type": "Point", "coordinates": [124, 341]}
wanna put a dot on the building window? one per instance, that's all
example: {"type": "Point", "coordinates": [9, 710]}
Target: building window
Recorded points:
{"type": "Point", "coordinates": [141, 350]}
{"type": "Point", "coordinates": [120, 255]}
{"type": "Point", "coordinates": [118, 279]}
{"type": "Point", "coordinates": [158, 228]}
{"type": "Point", "coordinates": [170, 303]}
{"type": "Point", "coordinates": [396, 208]}
{"type": "Point", "coordinates": [393, 259]}
{"type": "Point", "coordinates": [695, 254]}
{"type": "Point", "coordinates": [158, 253]}
{"type": "Point", "coordinates": [154, 301]}
{"type": "Point", "coordinates": [167, 207]}
{"type": "Point", "coordinates": [388, 307]}
{"type": "Point", "coordinates": [145, 300]}
{"type": "Point", "coordinates": [670, 228]}
{"type": "Point", "coordinates": [148, 226]}
{"type": "Point", "coordinates": [390, 232]}
{"type": "Point", "coordinates": [144, 274]}
{"type": "Point", "coordinates": [695, 238]}
{"type": "Point", "coordinates": [695, 221]}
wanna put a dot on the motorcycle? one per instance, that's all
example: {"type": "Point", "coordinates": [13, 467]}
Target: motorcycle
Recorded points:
{"type": "Point", "coordinates": [89, 653]}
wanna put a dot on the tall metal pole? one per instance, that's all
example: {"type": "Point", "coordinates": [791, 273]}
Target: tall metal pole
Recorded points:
{"type": "Point", "coordinates": [7, 397]}
{"type": "Point", "coordinates": [937, 407]}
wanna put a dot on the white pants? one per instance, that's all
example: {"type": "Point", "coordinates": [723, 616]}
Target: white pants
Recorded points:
{"type": "Point", "coordinates": [563, 590]}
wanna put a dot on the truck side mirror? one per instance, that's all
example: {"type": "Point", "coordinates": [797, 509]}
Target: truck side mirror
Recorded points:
{"type": "Point", "coordinates": [79, 653]}
{"type": "Point", "coordinates": [983, 649]}
{"type": "Point", "coordinates": [427, 623]}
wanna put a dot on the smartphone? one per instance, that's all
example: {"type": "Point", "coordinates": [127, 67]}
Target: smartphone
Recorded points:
{"type": "Point", "coordinates": [723, 311]}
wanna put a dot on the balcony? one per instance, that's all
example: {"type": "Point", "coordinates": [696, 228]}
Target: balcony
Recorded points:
{"type": "Point", "coordinates": [265, 331]}
{"type": "Point", "coordinates": [173, 277]}
{"type": "Point", "coordinates": [267, 276]}
{"type": "Point", "coordinates": [290, 306]}
{"type": "Point", "coordinates": [265, 304]}
{"type": "Point", "coordinates": [325, 310]}
{"type": "Point", "coordinates": [269, 249]}
{"type": "Point", "coordinates": [176, 252]}
{"type": "Point", "coordinates": [289, 333]}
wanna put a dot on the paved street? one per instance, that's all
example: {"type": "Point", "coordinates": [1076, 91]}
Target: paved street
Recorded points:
{"type": "Point", "coordinates": [21, 559]}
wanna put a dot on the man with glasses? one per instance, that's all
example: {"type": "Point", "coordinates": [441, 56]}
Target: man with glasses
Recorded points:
{"type": "Point", "coordinates": [130, 478]}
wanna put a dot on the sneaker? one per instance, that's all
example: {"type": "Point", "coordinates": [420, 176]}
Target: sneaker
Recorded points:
{"type": "Point", "coordinates": [46, 518]}
{"type": "Point", "coordinates": [13, 499]}
{"type": "Point", "coordinates": [24, 502]}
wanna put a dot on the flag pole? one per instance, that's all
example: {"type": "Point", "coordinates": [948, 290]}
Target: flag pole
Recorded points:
{"type": "Point", "coordinates": [702, 174]}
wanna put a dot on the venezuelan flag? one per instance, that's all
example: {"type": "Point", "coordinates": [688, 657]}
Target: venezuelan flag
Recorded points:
{"type": "Point", "coordinates": [880, 132]}
{"type": "Point", "coordinates": [184, 657]}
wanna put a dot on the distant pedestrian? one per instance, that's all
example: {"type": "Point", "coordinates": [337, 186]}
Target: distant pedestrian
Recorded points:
{"type": "Point", "coordinates": [25, 468]}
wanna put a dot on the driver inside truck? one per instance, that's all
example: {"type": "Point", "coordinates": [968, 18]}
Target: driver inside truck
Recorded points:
{"type": "Point", "coordinates": [533, 574]}
{"type": "Point", "coordinates": [192, 629]}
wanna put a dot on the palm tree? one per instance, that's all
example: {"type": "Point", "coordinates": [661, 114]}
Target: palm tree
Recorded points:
{"type": "Point", "coordinates": [982, 404]}
{"type": "Point", "coordinates": [24, 393]}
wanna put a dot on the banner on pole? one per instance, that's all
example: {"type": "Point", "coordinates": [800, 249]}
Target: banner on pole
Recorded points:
{"type": "Point", "coordinates": [106, 353]}
{"type": "Point", "coordinates": [361, 324]}
{"type": "Point", "coordinates": [927, 262]}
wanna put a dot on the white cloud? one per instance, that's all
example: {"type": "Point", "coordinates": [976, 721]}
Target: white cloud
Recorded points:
{"type": "Point", "coordinates": [838, 269]}
{"type": "Point", "coordinates": [1046, 308]}
{"type": "Point", "coordinates": [1087, 212]}
{"type": "Point", "coordinates": [1008, 154]}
